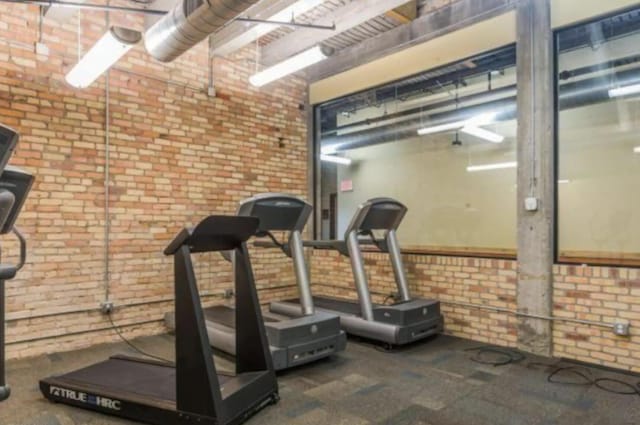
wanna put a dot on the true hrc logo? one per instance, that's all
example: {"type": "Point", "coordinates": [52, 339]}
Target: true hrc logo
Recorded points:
{"type": "Point", "coordinates": [93, 400]}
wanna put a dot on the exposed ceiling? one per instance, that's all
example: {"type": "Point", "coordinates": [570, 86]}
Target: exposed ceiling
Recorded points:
{"type": "Point", "coordinates": [355, 21]}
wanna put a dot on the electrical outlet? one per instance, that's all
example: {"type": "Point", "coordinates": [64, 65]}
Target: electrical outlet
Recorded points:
{"type": "Point", "coordinates": [41, 49]}
{"type": "Point", "coordinates": [531, 204]}
{"type": "Point", "coordinates": [621, 328]}
{"type": "Point", "coordinates": [106, 307]}
{"type": "Point", "coordinates": [228, 293]}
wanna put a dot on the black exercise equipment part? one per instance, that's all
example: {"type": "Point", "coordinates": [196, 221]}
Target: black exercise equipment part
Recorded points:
{"type": "Point", "coordinates": [409, 319]}
{"type": "Point", "coordinates": [304, 335]}
{"type": "Point", "coordinates": [192, 391]}
{"type": "Point", "coordinates": [15, 185]}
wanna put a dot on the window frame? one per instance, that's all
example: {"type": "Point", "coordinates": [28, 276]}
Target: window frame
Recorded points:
{"type": "Point", "coordinates": [558, 259]}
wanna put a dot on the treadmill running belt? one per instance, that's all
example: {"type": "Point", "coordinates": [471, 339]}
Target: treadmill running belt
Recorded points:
{"type": "Point", "coordinates": [334, 304]}
{"type": "Point", "coordinates": [223, 315]}
{"type": "Point", "coordinates": [132, 377]}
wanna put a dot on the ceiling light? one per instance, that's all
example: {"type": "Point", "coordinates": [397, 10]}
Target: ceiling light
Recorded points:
{"type": "Point", "coordinates": [483, 134]}
{"type": "Point", "coordinates": [475, 121]}
{"type": "Point", "coordinates": [496, 166]}
{"type": "Point", "coordinates": [636, 149]}
{"type": "Point", "coordinates": [440, 128]}
{"type": "Point", "coordinates": [481, 119]}
{"type": "Point", "coordinates": [329, 149]}
{"type": "Point", "coordinates": [298, 8]}
{"type": "Point", "coordinates": [337, 159]}
{"type": "Point", "coordinates": [289, 66]}
{"type": "Point", "coordinates": [624, 91]}
{"type": "Point", "coordinates": [111, 47]}
{"type": "Point", "coordinates": [564, 181]}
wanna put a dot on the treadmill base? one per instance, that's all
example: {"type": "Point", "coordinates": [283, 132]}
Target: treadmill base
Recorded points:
{"type": "Point", "coordinates": [143, 391]}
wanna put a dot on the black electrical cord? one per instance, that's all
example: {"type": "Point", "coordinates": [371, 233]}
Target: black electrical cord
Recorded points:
{"type": "Point", "coordinates": [387, 298]}
{"type": "Point", "coordinates": [116, 329]}
{"type": "Point", "coordinates": [501, 357]}
{"type": "Point", "coordinates": [630, 389]}
{"type": "Point", "coordinates": [584, 375]}
{"type": "Point", "coordinates": [586, 378]}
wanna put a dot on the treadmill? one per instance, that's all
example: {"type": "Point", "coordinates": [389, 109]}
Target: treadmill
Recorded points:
{"type": "Point", "coordinates": [303, 334]}
{"type": "Point", "coordinates": [15, 185]}
{"type": "Point", "coordinates": [407, 320]}
{"type": "Point", "coordinates": [192, 391]}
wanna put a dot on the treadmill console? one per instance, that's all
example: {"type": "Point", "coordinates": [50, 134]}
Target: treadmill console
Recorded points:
{"type": "Point", "coordinates": [18, 182]}
{"type": "Point", "coordinates": [8, 141]}
{"type": "Point", "coordinates": [377, 214]}
{"type": "Point", "coordinates": [276, 211]}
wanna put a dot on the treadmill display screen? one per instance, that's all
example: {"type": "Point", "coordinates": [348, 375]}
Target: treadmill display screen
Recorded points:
{"type": "Point", "coordinates": [8, 142]}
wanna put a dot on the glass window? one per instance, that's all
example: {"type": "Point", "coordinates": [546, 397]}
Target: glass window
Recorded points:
{"type": "Point", "coordinates": [598, 88]}
{"type": "Point", "coordinates": [442, 142]}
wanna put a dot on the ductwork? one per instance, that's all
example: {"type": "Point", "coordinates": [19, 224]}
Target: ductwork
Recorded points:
{"type": "Point", "coordinates": [190, 22]}
{"type": "Point", "coordinates": [572, 95]}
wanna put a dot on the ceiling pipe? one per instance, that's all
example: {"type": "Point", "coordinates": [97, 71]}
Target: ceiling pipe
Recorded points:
{"type": "Point", "coordinates": [475, 97]}
{"type": "Point", "coordinates": [188, 23]}
{"type": "Point", "coordinates": [572, 95]}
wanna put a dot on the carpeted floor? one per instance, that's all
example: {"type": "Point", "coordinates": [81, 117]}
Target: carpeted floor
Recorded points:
{"type": "Point", "coordinates": [434, 382]}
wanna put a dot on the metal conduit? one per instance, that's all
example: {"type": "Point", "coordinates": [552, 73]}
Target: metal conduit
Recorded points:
{"type": "Point", "coordinates": [572, 95]}
{"type": "Point", "coordinates": [534, 316]}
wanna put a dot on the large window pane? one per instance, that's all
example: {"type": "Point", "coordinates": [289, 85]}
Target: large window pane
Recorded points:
{"type": "Point", "coordinates": [598, 141]}
{"type": "Point", "coordinates": [442, 142]}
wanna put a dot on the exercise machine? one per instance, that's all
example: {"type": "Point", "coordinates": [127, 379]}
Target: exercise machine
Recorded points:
{"type": "Point", "coordinates": [15, 185]}
{"type": "Point", "coordinates": [407, 320]}
{"type": "Point", "coordinates": [300, 336]}
{"type": "Point", "coordinates": [192, 391]}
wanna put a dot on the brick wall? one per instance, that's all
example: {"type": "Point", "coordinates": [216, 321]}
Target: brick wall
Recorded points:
{"type": "Point", "coordinates": [598, 294]}
{"type": "Point", "coordinates": [176, 155]}
{"type": "Point", "coordinates": [449, 279]}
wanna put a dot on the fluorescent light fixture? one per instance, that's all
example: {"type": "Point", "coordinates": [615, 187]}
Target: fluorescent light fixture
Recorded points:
{"type": "Point", "coordinates": [475, 121]}
{"type": "Point", "coordinates": [496, 166]}
{"type": "Point", "coordinates": [329, 149]}
{"type": "Point", "coordinates": [636, 149]}
{"type": "Point", "coordinates": [289, 66]}
{"type": "Point", "coordinates": [111, 47]}
{"type": "Point", "coordinates": [441, 128]}
{"type": "Point", "coordinates": [481, 119]}
{"type": "Point", "coordinates": [337, 159]}
{"type": "Point", "coordinates": [564, 181]}
{"type": "Point", "coordinates": [483, 134]}
{"type": "Point", "coordinates": [624, 91]}
{"type": "Point", "coordinates": [298, 8]}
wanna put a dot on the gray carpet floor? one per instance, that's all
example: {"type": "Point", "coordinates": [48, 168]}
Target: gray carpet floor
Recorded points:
{"type": "Point", "coordinates": [434, 382]}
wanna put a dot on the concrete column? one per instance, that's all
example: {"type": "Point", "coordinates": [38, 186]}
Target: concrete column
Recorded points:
{"type": "Point", "coordinates": [535, 173]}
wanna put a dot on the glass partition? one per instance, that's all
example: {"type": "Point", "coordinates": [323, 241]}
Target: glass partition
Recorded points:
{"type": "Point", "coordinates": [598, 143]}
{"type": "Point", "coordinates": [442, 142]}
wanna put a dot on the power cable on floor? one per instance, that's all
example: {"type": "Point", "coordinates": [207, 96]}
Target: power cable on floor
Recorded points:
{"type": "Point", "coordinates": [116, 329]}
{"type": "Point", "coordinates": [586, 378]}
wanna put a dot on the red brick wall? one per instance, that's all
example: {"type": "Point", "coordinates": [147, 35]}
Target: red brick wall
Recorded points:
{"type": "Point", "coordinates": [176, 156]}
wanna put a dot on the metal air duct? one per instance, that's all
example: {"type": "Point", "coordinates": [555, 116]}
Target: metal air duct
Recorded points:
{"type": "Point", "coordinates": [190, 22]}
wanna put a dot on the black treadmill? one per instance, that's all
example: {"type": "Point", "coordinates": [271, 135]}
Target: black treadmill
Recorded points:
{"type": "Point", "coordinates": [407, 320]}
{"type": "Point", "coordinates": [15, 185]}
{"type": "Point", "coordinates": [302, 335]}
{"type": "Point", "coordinates": [191, 391]}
